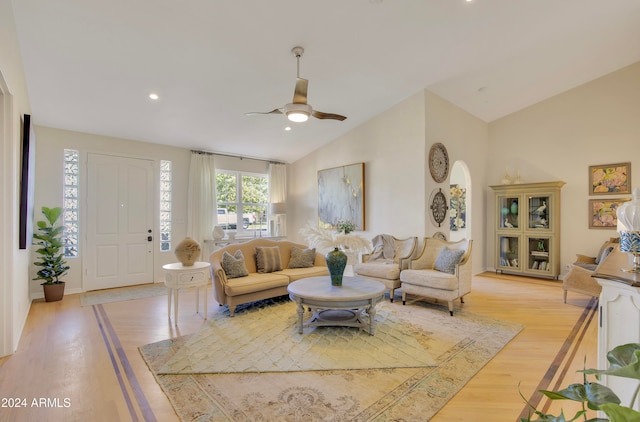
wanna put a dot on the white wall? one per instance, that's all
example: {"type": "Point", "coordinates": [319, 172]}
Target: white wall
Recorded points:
{"type": "Point", "coordinates": [558, 139]}
{"type": "Point", "coordinates": [49, 157]}
{"type": "Point", "coordinates": [466, 139]}
{"type": "Point", "coordinates": [14, 284]}
{"type": "Point", "coordinates": [392, 147]}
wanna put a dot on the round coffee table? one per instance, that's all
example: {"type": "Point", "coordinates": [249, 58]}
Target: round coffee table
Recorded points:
{"type": "Point", "coordinates": [351, 305]}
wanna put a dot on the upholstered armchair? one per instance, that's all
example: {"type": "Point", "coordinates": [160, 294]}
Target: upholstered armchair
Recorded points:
{"type": "Point", "coordinates": [390, 256]}
{"type": "Point", "coordinates": [579, 279]}
{"type": "Point", "coordinates": [442, 271]}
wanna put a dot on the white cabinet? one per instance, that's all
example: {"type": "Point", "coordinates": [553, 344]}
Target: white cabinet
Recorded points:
{"type": "Point", "coordinates": [528, 228]}
{"type": "Point", "coordinates": [619, 318]}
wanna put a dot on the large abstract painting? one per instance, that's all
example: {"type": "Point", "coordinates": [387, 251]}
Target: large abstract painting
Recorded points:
{"type": "Point", "coordinates": [341, 196]}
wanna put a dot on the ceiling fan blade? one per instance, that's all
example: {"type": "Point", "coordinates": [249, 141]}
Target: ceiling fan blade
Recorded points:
{"type": "Point", "coordinates": [300, 94]}
{"type": "Point", "coordinates": [321, 115]}
{"type": "Point", "coordinates": [276, 111]}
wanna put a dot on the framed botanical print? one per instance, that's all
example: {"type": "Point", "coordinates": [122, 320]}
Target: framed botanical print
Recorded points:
{"type": "Point", "coordinates": [610, 179]}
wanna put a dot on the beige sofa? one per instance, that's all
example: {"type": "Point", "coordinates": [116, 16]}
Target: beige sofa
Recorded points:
{"type": "Point", "coordinates": [427, 275]}
{"type": "Point", "coordinates": [386, 267]}
{"type": "Point", "coordinates": [258, 286]}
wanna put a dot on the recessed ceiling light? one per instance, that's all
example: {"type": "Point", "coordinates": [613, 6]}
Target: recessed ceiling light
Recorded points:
{"type": "Point", "coordinates": [288, 128]}
{"type": "Point", "coordinates": [153, 96]}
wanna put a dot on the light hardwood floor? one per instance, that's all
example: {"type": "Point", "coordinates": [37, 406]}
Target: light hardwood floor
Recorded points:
{"type": "Point", "coordinates": [84, 361]}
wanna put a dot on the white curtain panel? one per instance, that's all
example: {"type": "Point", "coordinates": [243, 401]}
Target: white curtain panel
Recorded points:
{"type": "Point", "coordinates": [201, 197]}
{"type": "Point", "coordinates": [278, 181]}
{"type": "Point", "coordinates": [278, 195]}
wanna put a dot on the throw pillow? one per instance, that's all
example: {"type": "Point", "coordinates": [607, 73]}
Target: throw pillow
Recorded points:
{"type": "Point", "coordinates": [605, 249]}
{"type": "Point", "coordinates": [268, 259]}
{"type": "Point", "coordinates": [302, 258]}
{"type": "Point", "coordinates": [233, 265]}
{"type": "Point", "coordinates": [448, 259]}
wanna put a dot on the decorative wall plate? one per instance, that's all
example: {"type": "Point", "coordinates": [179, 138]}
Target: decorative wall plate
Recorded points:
{"type": "Point", "coordinates": [438, 207]}
{"type": "Point", "coordinates": [438, 162]}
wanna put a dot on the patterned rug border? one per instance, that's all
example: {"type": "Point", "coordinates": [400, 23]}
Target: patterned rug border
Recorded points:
{"type": "Point", "coordinates": [419, 397]}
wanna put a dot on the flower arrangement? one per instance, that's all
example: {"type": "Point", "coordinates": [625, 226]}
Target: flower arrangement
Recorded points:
{"type": "Point", "coordinates": [345, 227]}
{"type": "Point", "coordinates": [326, 240]}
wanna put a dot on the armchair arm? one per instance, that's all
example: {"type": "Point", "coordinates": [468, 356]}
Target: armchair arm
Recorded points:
{"type": "Point", "coordinates": [422, 261]}
{"type": "Point", "coordinates": [219, 282]}
{"type": "Point", "coordinates": [464, 272]}
{"type": "Point", "coordinates": [404, 261]}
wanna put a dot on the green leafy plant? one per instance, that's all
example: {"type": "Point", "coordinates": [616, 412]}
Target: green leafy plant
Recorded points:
{"type": "Point", "coordinates": [345, 227]}
{"type": "Point", "coordinates": [49, 238]}
{"type": "Point", "coordinates": [624, 361]}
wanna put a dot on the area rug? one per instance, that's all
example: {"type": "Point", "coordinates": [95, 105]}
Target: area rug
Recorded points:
{"type": "Point", "coordinates": [452, 350]}
{"type": "Point", "coordinates": [122, 293]}
{"type": "Point", "coordinates": [266, 339]}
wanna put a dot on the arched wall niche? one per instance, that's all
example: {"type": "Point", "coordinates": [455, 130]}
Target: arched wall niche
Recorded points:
{"type": "Point", "coordinates": [459, 202]}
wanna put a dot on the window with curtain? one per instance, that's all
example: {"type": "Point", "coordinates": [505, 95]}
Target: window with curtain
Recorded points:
{"type": "Point", "coordinates": [243, 200]}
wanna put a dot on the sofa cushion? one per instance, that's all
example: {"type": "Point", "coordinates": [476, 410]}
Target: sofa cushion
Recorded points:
{"type": "Point", "coordinates": [586, 265]}
{"type": "Point", "coordinates": [448, 259]}
{"type": "Point", "coordinates": [233, 265]}
{"type": "Point", "coordinates": [386, 270]}
{"type": "Point", "coordinates": [298, 273]}
{"type": "Point", "coordinates": [268, 259]}
{"type": "Point", "coordinates": [255, 282]}
{"type": "Point", "coordinates": [430, 278]}
{"type": "Point", "coordinates": [302, 258]}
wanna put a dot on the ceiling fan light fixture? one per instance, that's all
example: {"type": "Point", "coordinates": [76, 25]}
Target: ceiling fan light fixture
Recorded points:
{"type": "Point", "coordinates": [298, 116]}
{"type": "Point", "coordinates": [297, 112]}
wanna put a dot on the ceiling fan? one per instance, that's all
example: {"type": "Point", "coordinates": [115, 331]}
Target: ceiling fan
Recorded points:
{"type": "Point", "coordinates": [298, 110]}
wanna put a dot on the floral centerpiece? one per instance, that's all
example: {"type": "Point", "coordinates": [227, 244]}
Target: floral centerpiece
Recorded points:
{"type": "Point", "coordinates": [345, 227]}
{"type": "Point", "coordinates": [334, 244]}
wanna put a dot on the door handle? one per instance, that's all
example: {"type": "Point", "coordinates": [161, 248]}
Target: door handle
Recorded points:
{"type": "Point", "coordinates": [149, 238]}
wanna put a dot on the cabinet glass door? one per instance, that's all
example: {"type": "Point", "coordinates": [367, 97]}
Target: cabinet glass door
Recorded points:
{"type": "Point", "coordinates": [538, 253]}
{"type": "Point", "coordinates": [539, 212]}
{"type": "Point", "coordinates": [509, 212]}
{"type": "Point", "coordinates": [509, 247]}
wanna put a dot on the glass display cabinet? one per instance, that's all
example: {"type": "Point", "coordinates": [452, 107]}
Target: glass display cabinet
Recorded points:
{"type": "Point", "coordinates": [528, 228]}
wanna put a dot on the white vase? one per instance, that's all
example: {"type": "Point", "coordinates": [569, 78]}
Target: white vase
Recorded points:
{"type": "Point", "coordinates": [218, 233]}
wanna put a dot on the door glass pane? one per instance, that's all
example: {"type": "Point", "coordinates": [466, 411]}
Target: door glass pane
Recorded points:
{"type": "Point", "coordinates": [539, 212]}
{"type": "Point", "coordinates": [509, 251]}
{"type": "Point", "coordinates": [509, 209]}
{"type": "Point", "coordinates": [538, 253]}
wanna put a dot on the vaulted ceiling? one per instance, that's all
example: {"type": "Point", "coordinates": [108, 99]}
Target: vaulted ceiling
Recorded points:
{"type": "Point", "coordinates": [90, 65]}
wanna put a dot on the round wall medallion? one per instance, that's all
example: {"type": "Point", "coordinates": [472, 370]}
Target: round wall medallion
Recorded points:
{"type": "Point", "coordinates": [440, 235]}
{"type": "Point", "coordinates": [438, 207]}
{"type": "Point", "coordinates": [438, 162]}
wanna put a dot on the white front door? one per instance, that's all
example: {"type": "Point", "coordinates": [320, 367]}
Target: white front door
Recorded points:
{"type": "Point", "coordinates": [119, 222]}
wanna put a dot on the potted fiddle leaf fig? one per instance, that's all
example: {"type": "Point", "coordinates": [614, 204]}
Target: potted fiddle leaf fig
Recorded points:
{"type": "Point", "coordinates": [50, 253]}
{"type": "Point", "coordinates": [624, 361]}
